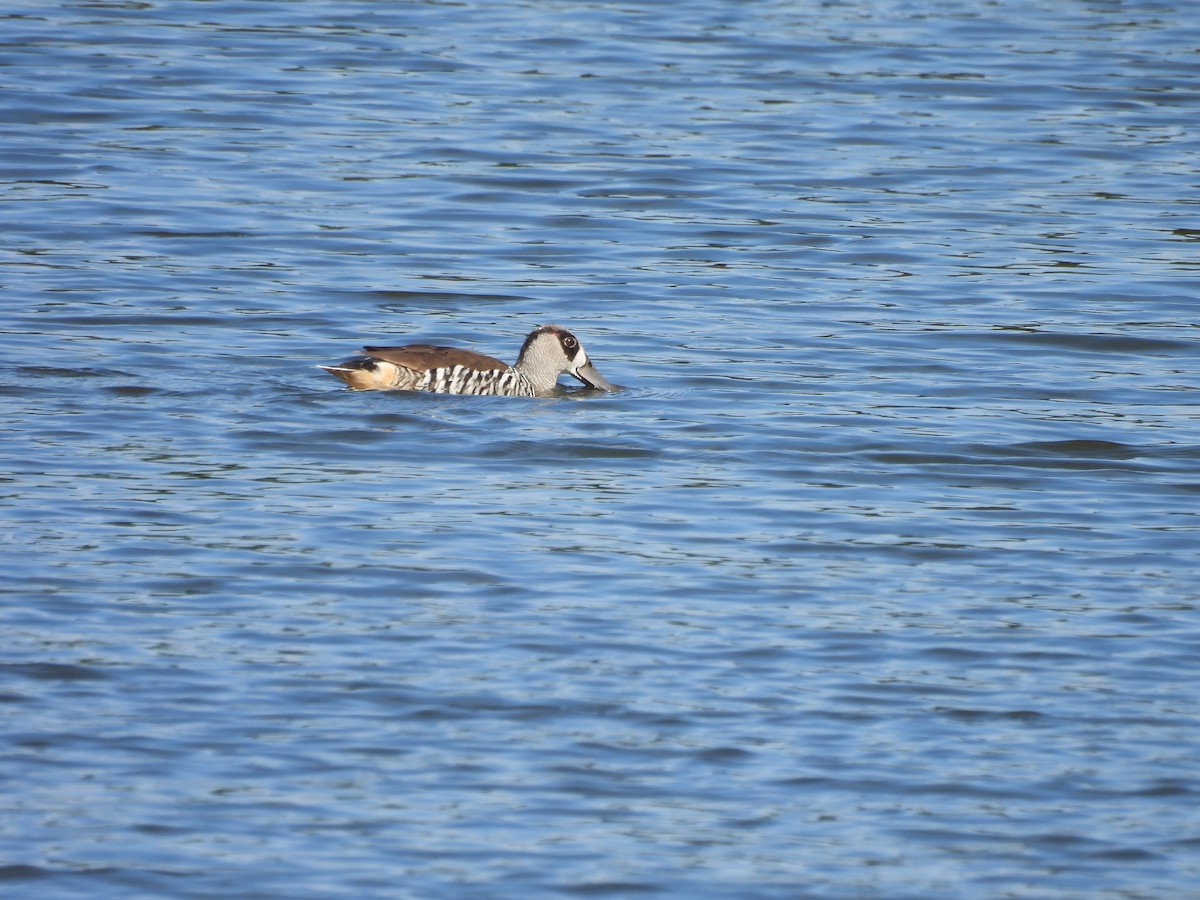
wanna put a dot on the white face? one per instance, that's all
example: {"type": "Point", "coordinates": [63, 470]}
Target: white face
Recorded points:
{"type": "Point", "coordinates": [578, 362]}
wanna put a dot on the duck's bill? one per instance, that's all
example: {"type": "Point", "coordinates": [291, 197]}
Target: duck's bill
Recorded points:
{"type": "Point", "coordinates": [588, 375]}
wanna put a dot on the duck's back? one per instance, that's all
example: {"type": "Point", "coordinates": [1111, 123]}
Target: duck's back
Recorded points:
{"type": "Point", "coordinates": [425, 367]}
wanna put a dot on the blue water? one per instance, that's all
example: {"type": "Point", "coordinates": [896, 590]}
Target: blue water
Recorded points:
{"type": "Point", "coordinates": [880, 579]}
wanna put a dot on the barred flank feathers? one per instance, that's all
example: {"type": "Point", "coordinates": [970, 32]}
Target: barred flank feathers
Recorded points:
{"type": "Point", "coordinates": [483, 382]}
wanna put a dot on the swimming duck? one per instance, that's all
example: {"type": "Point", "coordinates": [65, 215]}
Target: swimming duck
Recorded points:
{"type": "Point", "coordinates": [548, 352]}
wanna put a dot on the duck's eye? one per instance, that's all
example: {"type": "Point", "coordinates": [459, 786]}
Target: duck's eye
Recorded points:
{"type": "Point", "coordinates": [569, 342]}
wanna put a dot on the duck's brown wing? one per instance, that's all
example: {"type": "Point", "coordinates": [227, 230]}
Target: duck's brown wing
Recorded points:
{"type": "Point", "coordinates": [424, 357]}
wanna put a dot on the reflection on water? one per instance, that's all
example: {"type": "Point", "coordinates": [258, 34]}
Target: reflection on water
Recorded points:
{"type": "Point", "coordinates": [877, 579]}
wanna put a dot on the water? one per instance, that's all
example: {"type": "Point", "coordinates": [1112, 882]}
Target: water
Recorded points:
{"type": "Point", "coordinates": [880, 578]}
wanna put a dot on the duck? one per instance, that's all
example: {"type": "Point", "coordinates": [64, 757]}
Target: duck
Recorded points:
{"type": "Point", "coordinates": [548, 352]}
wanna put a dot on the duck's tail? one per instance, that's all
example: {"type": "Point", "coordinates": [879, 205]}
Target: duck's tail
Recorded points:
{"type": "Point", "coordinates": [362, 374]}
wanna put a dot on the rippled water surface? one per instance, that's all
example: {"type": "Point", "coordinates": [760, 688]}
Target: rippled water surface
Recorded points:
{"type": "Point", "coordinates": [880, 579]}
